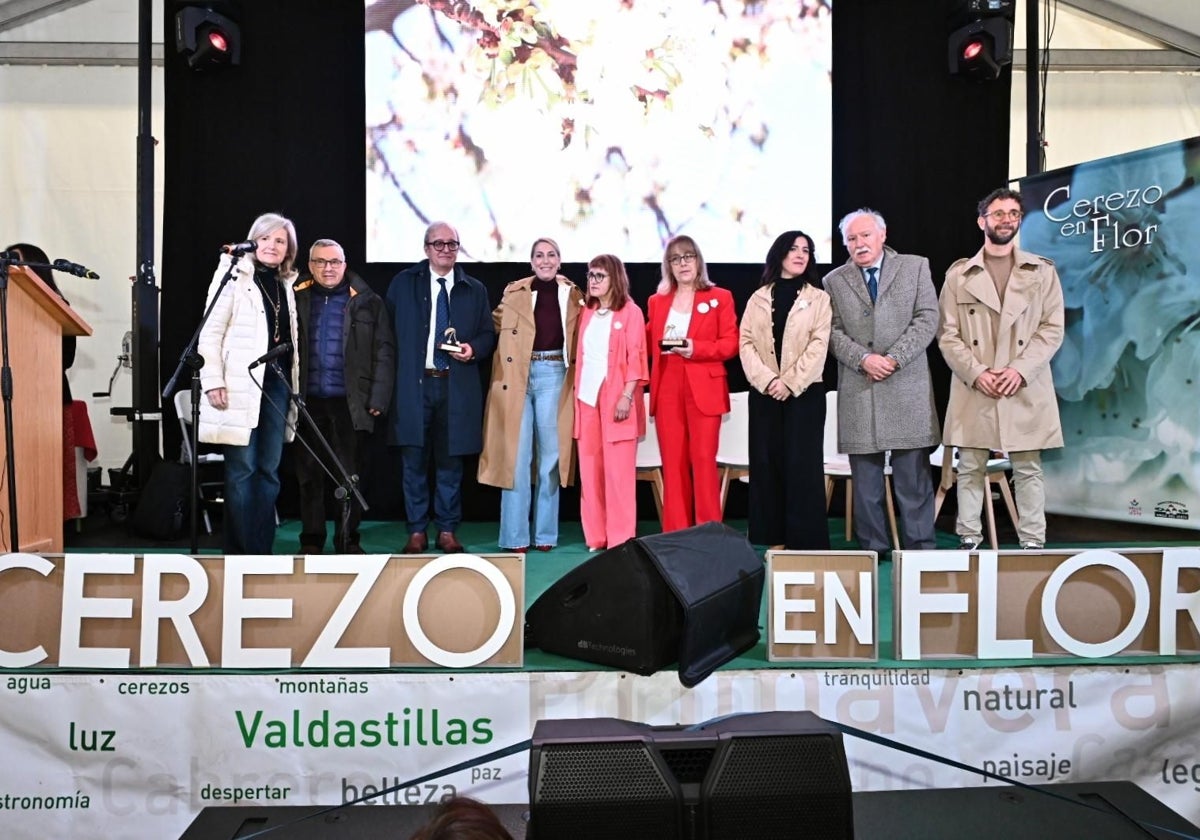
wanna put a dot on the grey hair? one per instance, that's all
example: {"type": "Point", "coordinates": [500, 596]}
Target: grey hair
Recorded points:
{"type": "Point", "coordinates": [862, 211]}
{"type": "Point", "coordinates": [326, 243]}
{"type": "Point", "coordinates": [434, 225]}
{"type": "Point", "coordinates": [268, 222]}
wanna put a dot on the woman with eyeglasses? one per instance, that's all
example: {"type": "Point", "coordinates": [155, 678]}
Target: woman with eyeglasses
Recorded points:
{"type": "Point", "coordinates": [691, 331]}
{"type": "Point", "coordinates": [609, 412]}
{"type": "Point", "coordinates": [784, 336]}
{"type": "Point", "coordinates": [530, 415]}
{"type": "Point", "coordinates": [249, 410]}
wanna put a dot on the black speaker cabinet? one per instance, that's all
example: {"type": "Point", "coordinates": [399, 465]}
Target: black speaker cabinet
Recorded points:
{"type": "Point", "coordinates": [690, 596]}
{"type": "Point", "coordinates": [310, 822]}
{"type": "Point", "coordinates": [773, 775]}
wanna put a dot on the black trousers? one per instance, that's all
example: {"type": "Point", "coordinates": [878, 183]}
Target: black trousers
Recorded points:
{"type": "Point", "coordinates": [332, 418]}
{"type": "Point", "coordinates": [787, 471]}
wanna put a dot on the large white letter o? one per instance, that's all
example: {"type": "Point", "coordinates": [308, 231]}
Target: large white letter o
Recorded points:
{"type": "Point", "coordinates": [412, 621]}
{"type": "Point", "coordinates": [1141, 603]}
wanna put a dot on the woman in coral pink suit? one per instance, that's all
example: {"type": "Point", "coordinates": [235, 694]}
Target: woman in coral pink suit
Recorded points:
{"type": "Point", "coordinates": [689, 390]}
{"type": "Point", "coordinates": [610, 371]}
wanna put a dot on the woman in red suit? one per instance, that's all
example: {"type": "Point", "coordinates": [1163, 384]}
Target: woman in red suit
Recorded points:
{"type": "Point", "coordinates": [609, 411]}
{"type": "Point", "coordinates": [688, 388]}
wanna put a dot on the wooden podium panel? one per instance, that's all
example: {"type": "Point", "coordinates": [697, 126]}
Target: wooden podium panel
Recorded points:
{"type": "Point", "coordinates": [38, 318]}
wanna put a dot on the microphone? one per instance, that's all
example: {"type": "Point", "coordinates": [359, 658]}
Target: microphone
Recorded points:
{"type": "Point", "coordinates": [271, 355]}
{"type": "Point", "coordinates": [240, 248]}
{"type": "Point", "coordinates": [76, 269]}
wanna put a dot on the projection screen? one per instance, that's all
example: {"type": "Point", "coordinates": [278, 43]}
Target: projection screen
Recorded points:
{"type": "Point", "coordinates": [609, 125]}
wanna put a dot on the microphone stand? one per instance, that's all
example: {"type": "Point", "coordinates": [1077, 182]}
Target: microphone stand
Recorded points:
{"type": "Point", "coordinates": [6, 391]}
{"type": "Point", "coordinates": [348, 483]}
{"type": "Point", "coordinates": [193, 360]}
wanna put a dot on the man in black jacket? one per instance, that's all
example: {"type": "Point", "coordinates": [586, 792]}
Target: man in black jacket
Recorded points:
{"type": "Point", "coordinates": [347, 370]}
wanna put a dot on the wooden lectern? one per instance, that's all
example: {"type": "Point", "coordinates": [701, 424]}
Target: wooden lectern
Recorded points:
{"type": "Point", "coordinates": [37, 320]}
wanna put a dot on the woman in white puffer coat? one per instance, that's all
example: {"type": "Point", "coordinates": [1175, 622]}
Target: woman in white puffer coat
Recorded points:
{"type": "Point", "coordinates": [248, 410]}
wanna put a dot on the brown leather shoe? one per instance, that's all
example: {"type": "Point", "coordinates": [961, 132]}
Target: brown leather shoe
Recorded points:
{"type": "Point", "coordinates": [417, 543]}
{"type": "Point", "coordinates": [449, 543]}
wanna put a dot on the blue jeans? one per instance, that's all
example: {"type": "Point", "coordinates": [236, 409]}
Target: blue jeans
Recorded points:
{"type": "Point", "coordinates": [252, 476]}
{"type": "Point", "coordinates": [539, 426]}
{"type": "Point", "coordinates": [447, 468]}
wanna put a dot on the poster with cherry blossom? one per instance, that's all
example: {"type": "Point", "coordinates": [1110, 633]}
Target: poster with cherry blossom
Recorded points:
{"type": "Point", "coordinates": [1122, 231]}
{"type": "Point", "coordinates": [610, 125]}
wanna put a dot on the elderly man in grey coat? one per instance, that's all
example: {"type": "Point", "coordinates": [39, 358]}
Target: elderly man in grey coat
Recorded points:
{"type": "Point", "coordinates": [885, 313]}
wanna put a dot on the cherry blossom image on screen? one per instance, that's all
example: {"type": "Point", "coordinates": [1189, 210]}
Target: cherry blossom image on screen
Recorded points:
{"type": "Point", "coordinates": [612, 124]}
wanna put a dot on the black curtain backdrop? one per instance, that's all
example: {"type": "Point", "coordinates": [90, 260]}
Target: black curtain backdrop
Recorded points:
{"type": "Point", "coordinates": [284, 132]}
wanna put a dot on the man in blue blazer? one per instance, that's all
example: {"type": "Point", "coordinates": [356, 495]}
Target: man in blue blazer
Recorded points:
{"type": "Point", "coordinates": [438, 399]}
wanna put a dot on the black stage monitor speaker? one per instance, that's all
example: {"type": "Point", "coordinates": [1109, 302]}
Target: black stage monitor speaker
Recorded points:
{"type": "Point", "coordinates": [1072, 811]}
{"type": "Point", "coordinates": [772, 775]}
{"type": "Point", "coordinates": [690, 596]}
{"type": "Point", "coordinates": [370, 821]}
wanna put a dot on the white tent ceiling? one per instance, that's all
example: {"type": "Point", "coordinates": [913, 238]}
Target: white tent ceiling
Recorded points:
{"type": "Point", "coordinates": [1164, 20]}
{"type": "Point", "coordinates": [1174, 24]}
{"type": "Point", "coordinates": [1169, 29]}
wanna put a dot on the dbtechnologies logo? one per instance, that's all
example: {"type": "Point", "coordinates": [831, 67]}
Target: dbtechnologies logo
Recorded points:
{"type": "Point", "coordinates": [1170, 510]}
{"type": "Point", "coordinates": [599, 647]}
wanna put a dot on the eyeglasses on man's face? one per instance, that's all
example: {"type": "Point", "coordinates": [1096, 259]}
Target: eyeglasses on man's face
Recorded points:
{"type": "Point", "coordinates": [1001, 215]}
{"type": "Point", "coordinates": [321, 263]}
{"type": "Point", "coordinates": [443, 245]}
{"type": "Point", "coordinates": [682, 259]}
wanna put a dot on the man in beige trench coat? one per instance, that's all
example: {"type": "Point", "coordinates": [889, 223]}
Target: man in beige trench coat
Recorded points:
{"type": "Point", "coordinates": [1001, 323]}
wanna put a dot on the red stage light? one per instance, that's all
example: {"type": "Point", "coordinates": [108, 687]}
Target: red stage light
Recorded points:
{"type": "Point", "coordinates": [207, 39]}
{"type": "Point", "coordinates": [981, 43]}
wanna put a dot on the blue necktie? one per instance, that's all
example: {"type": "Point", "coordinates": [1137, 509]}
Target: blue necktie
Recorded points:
{"type": "Point", "coordinates": [441, 359]}
{"type": "Point", "coordinates": [872, 283]}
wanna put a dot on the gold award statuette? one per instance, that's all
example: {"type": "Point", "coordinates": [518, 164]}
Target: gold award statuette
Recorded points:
{"type": "Point", "coordinates": [451, 344]}
{"type": "Point", "coordinates": [670, 341]}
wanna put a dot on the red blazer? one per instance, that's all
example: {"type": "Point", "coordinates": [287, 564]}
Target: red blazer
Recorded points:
{"type": "Point", "coordinates": [714, 334]}
{"type": "Point", "coordinates": [626, 361]}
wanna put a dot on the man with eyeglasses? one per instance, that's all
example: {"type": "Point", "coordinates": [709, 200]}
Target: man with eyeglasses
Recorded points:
{"type": "Point", "coordinates": [1001, 323]}
{"type": "Point", "coordinates": [438, 412]}
{"type": "Point", "coordinates": [347, 371]}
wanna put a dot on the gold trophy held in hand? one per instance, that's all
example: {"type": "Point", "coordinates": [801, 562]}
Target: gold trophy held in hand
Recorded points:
{"type": "Point", "coordinates": [451, 343]}
{"type": "Point", "coordinates": [671, 341]}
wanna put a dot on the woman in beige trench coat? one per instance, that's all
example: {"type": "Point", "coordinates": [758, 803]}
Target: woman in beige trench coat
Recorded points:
{"type": "Point", "coordinates": [528, 450]}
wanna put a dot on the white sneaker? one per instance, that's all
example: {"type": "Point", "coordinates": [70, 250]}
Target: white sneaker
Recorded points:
{"type": "Point", "coordinates": [967, 544]}
{"type": "Point", "coordinates": [1032, 545]}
